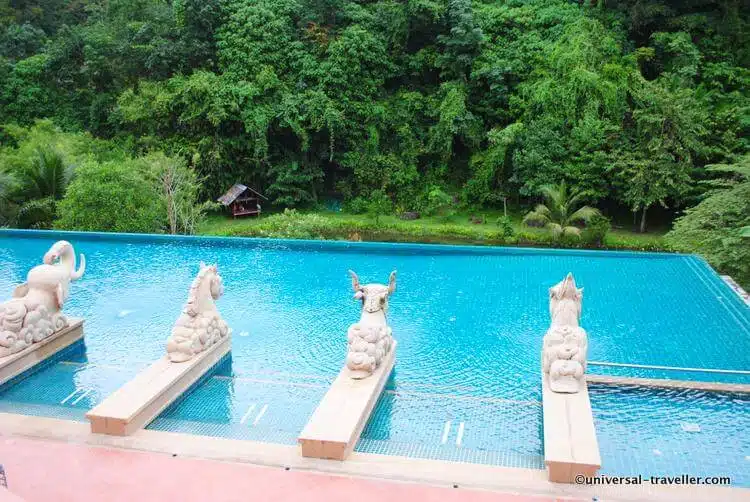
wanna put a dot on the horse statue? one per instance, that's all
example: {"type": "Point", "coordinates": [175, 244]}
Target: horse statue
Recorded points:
{"type": "Point", "coordinates": [33, 313]}
{"type": "Point", "coordinates": [200, 325]}
{"type": "Point", "coordinates": [371, 338]}
{"type": "Point", "coordinates": [565, 344]}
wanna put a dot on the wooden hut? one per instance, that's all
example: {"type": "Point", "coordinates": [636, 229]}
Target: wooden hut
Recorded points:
{"type": "Point", "coordinates": [242, 200]}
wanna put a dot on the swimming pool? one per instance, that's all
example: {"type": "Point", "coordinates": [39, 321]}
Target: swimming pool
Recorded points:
{"type": "Point", "coordinates": [469, 321]}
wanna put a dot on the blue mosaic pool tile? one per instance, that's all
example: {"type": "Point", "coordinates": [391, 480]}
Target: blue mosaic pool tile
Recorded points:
{"type": "Point", "coordinates": [257, 409]}
{"type": "Point", "coordinates": [76, 351]}
{"type": "Point", "coordinates": [660, 432]}
{"type": "Point", "coordinates": [455, 427]}
{"type": "Point", "coordinates": [69, 390]}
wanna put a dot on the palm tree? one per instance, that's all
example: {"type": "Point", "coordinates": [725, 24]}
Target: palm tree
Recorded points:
{"type": "Point", "coordinates": [36, 187]}
{"type": "Point", "coordinates": [46, 176]}
{"type": "Point", "coordinates": [558, 214]}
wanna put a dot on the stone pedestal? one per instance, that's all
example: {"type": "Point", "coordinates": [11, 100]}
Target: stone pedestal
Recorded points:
{"type": "Point", "coordinates": [336, 424]}
{"type": "Point", "coordinates": [15, 364]}
{"type": "Point", "coordinates": [570, 445]}
{"type": "Point", "coordinates": [135, 404]}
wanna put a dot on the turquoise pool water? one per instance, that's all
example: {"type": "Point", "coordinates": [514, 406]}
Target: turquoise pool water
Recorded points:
{"type": "Point", "coordinates": [469, 322]}
{"type": "Point", "coordinates": [672, 432]}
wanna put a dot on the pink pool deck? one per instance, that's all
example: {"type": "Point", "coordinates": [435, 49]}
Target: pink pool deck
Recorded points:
{"type": "Point", "coordinates": [39, 470]}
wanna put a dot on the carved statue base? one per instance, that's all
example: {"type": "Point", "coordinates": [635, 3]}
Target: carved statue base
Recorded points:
{"type": "Point", "coordinates": [368, 345]}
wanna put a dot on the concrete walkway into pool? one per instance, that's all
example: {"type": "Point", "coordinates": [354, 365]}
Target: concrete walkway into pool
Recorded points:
{"type": "Point", "coordinates": [40, 471]}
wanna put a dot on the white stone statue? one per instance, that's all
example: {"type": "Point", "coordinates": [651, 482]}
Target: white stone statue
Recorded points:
{"type": "Point", "coordinates": [371, 338]}
{"type": "Point", "coordinates": [200, 325]}
{"type": "Point", "coordinates": [565, 343]}
{"type": "Point", "coordinates": [33, 313]}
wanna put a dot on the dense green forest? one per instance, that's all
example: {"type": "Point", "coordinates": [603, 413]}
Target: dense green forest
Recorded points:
{"type": "Point", "coordinates": [641, 107]}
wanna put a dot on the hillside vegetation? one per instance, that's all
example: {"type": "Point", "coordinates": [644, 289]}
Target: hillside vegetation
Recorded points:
{"type": "Point", "coordinates": [383, 106]}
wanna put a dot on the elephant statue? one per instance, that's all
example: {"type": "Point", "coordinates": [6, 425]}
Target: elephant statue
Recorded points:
{"type": "Point", "coordinates": [33, 313]}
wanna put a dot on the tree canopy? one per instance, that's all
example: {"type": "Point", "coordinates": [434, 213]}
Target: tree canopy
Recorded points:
{"type": "Point", "coordinates": [626, 101]}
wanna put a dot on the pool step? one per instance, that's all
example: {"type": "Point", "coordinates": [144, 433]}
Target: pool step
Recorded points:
{"type": "Point", "coordinates": [570, 445]}
{"type": "Point", "coordinates": [336, 424]}
{"type": "Point", "coordinates": [138, 402]}
{"type": "Point", "coordinates": [15, 364]}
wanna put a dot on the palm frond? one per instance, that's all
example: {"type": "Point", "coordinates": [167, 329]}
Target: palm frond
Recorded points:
{"type": "Point", "coordinates": [537, 218]}
{"type": "Point", "coordinates": [740, 167]}
{"type": "Point", "coordinates": [555, 229]}
{"type": "Point", "coordinates": [554, 193]}
{"type": "Point", "coordinates": [47, 175]}
{"type": "Point", "coordinates": [572, 231]}
{"type": "Point", "coordinates": [575, 198]}
{"type": "Point", "coordinates": [584, 213]}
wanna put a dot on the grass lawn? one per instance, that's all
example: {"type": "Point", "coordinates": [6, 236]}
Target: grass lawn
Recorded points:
{"type": "Point", "coordinates": [456, 229]}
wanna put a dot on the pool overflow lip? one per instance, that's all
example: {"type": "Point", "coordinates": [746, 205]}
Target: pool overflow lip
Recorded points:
{"type": "Point", "coordinates": [356, 246]}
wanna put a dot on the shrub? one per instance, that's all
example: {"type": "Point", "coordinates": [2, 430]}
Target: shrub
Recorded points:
{"type": "Point", "coordinates": [596, 230]}
{"type": "Point", "coordinates": [439, 203]}
{"type": "Point", "coordinates": [379, 205]}
{"type": "Point", "coordinates": [506, 226]}
{"type": "Point", "coordinates": [713, 228]}
{"type": "Point", "coordinates": [111, 197]}
{"type": "Point", "coordinates": [291, 225]}
{"type": "Point", "coordinates": [358, 205]}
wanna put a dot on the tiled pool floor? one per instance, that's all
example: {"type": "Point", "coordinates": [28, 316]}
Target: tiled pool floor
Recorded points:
{"type": "Point", "coordinates": [418, 421]}
{"type": "Point", "coordinates": [658, 432]}
{"type": "Point", "coordinates": [439, 426]}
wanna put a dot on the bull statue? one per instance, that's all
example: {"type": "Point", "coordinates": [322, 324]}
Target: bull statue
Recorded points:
{"type": "Point", "coordinates": [565, 344]}
{"type": "Point", "coordinates": [34, 311]}
{"type": "Point", "coordinates": [370, 339]}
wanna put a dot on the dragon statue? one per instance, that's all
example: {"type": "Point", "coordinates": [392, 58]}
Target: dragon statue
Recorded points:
{"type": "Point", "coordinates": [371, 338]}
{"type": "Point", "coordinates": [565, 344]}
{"type": "Point", "coordinates": [200, 325]}
{"type": "Point", "coordinates": [33, 313]}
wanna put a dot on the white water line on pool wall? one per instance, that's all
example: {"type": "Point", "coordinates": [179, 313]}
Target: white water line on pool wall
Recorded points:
{"type": "Point", "coordinates": [247, 413]}
{"type": "Point", "coordinates": [670, 368]}
{"type": "Point", "coordinates": [81, 397]}
{"type": "Point", "coordinates": [446, 431]}
{"type": "Point", "coordinates": [84, 393]}
{"type": "Point", "coordinates": [460, 435]}
{"type": "Point", "coordinates": [260, 415]}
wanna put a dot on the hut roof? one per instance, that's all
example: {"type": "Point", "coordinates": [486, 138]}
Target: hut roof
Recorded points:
{"type": "Point", "coordinates": [234, 192]}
